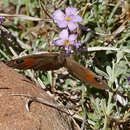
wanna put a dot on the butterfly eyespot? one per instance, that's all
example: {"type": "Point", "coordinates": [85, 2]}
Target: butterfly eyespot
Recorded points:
{"type": "Point", "coordinates": [19, 61]}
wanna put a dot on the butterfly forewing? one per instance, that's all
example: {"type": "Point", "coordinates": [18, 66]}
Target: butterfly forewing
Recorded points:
{"type": "Point", "coordinates": [44, 62]}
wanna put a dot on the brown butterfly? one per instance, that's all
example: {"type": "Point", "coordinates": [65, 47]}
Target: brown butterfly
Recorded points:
{"type": "Point", "coordinates": [52, 61]}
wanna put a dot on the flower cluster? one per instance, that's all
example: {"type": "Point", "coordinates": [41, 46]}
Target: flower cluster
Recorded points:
{"type": "Point", "coordinates": [2, 19]}
{"type": "Point", "coordinates": [67, 21]}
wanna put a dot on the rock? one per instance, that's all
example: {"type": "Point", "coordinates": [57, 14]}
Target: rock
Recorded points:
{"type": "Point", "coordinates": [13, 113]}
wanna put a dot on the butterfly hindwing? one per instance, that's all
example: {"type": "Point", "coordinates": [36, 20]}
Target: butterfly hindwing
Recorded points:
{"type": "Point", "coordinates": [85, 74]}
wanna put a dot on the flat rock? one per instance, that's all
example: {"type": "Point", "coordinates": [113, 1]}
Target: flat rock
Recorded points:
{"type": "Point", "coordinates": [13, 113]}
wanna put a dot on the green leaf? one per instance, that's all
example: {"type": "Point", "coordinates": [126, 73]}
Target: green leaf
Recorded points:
{"type": "Point", "coordinates": [109, 71]}
{"type": "Point", "coordinates": [100, 72]}
{"type": "Point", "coordinates": [119, 55]}
{"type": "Point", "coordinates": [49, 76]}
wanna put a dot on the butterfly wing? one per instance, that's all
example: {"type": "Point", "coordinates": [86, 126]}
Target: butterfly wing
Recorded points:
{"type": "Point", "coordinates": [43, 62]}
{"type": "Point", "coordinates": [53, 61]}
{"type": "Point", "coordinates": [85, 74]}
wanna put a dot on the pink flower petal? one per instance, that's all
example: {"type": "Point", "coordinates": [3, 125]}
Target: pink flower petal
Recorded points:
{"type": "Point", "coordinates": [72, 37]}
{"type": "Point", "coordinates": [58, 15]}
{"type": "Point", "coordinates": [77, 18]}
{"type": "Point", "coordinates": [62, 24]}
{"type": "Point", "coordinates": [72, 26]}
{"type": "Point", "coordinates": [70, 11]}
{"type": "Point", "coordinates": [77, 44]}
{"type": "Point", "coordinates": [64, 34]}
{"type": "Point", "coordinates": [72, 42]}
{"type": "Point", "coordinates": [59, 42]}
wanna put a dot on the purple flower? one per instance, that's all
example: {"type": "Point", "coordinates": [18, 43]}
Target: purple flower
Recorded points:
{"type": "Point", "coordinates": [66, 40]}
{"type": "Point", "coordinates": [68, 19]}
{"type": "Point", "coordinates": [2, 19]}
{"type": "Point", "coordinates": [128, 79]}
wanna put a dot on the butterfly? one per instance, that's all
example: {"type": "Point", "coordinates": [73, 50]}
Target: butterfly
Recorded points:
{"type": "Point", "coordinates": [53, 61]}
